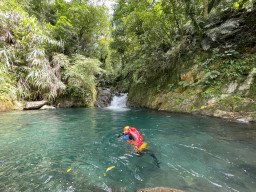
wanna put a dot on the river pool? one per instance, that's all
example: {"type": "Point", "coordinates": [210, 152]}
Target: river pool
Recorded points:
{"type": "Point", "coordinates": [70, 150]}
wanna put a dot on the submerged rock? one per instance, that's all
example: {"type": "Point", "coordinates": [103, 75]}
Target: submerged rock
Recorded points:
{"type": "Point", "coordinates": [159, 189]}
{"type": "Point", "coordinates": [35, 105]}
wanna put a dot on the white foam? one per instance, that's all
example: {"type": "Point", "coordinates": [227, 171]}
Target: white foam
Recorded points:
{"type": "Point", "coordinates": [243, 120]}
{"type": "Point", "coordinates": [119, 101]}
{"type": "Point", "coordinates": [119, 109]}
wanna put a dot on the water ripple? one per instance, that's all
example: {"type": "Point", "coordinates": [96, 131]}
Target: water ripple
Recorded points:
{"type": "Point", "coordinates": [37, 149]}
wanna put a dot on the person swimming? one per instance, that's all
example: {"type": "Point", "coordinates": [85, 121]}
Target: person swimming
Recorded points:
{"type": "Point", "coordinates": [132, 136]}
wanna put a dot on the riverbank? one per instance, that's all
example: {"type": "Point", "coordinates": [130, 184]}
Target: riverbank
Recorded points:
{"type": "Point", "coordinates": [195, 100]}
{"type": "Point", "coordinates": [215, 76]}
{"type": "Point", "coordinates": [223, 106]}
{"type": "Point", "coordinates": [190, 101]}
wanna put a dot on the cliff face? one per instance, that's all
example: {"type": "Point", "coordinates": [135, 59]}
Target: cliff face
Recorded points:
{"type": "Point", "coordinates": [213, 76]}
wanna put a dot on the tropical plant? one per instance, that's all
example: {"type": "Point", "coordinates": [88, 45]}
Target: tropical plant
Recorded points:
{"type": "Point", "coordinates": [27, 48]}
{"type": "Point", "coordinates": [79, 76]}
{"type": "Point", "coordinates": [31, 49]}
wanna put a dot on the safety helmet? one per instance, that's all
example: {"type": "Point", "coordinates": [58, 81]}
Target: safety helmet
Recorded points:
{"type": "Point", "coordinates": [126, 127]}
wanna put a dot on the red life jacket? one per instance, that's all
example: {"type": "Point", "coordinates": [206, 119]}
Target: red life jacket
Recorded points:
{"type": "Point", "coordinates": [135, 134]}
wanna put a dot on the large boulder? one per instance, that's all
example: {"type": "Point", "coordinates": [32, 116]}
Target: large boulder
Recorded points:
{"type": "Point", "coordinates": [35, 105]}
{"type": "Point", "coordinates": [46, 107]}
{"type": "Point", "coordinates": [103, 97]}
{"type": "Point", "coordinates": [65, 104]}
{"type": "Point", "coordinates": [219, 33]}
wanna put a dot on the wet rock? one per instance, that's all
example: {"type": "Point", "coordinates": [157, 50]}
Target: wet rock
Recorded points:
{"type": "Point", "coordinates": [159, 189]}
{"type": "Point", "coordinates": [240, 116]}
{"type": "Point", "coordinates": [220, 113]}
{"type": "Point", "coordinates": [46, 107]}
{"type": "Point", "coordinates": [35, 105]}
{"type": "Point", "coordinates": [65, 104]}
{"type": "Point", "coordinates": [103, 97]}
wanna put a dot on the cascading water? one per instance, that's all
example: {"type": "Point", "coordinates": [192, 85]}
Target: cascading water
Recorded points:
{"type": "Point", "coordinates": [119, 101]}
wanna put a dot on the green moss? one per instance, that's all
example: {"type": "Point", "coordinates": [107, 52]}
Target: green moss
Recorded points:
{"type": "Point", "coordinates": [236, 104]}
{"type": "Point", "coordinates": [139, 95]}
{"type": "Point", "coordinates": [179, 100]}
{"type": "Point", "coordinates": [210, 92]}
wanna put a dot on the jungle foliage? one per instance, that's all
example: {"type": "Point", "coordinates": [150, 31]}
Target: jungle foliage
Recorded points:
{"type": "Point", "coordinates": [51, 48]}
{"type": "Point", "coordinates": [152, 36]}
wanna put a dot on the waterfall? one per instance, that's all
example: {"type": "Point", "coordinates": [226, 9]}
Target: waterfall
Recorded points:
{"type": "Point", "coordinates": [119, 100]}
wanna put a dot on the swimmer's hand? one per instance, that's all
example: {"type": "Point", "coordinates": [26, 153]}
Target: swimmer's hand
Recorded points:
{"type": "Point", "coordinates": [120, 135]}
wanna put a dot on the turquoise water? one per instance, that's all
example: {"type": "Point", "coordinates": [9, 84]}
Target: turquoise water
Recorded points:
{"type": "Point", "coordinates": [196, 154]}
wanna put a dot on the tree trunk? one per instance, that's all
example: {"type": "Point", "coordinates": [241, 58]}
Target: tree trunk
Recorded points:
{"type": "Point", "coordinates": [206, 8]}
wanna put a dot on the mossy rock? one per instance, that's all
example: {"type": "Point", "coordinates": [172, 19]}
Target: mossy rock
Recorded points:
{"type": "Point", "coordinates": [142, 96]}
{"type": "Point", "coordinates": [236, 104]}
{"type": "Point", "coordinates": [71, 101]}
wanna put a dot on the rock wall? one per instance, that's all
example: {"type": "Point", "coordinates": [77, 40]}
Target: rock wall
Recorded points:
{"type": "Point", "coordinates": [216, 77]}
{"type": "Point", "coordinates": [226, 103]}
{"type": "Point", "coordinates": [103, 97]}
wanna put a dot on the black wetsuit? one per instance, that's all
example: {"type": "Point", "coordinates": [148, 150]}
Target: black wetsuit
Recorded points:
{"type": "Point", "coordinates": [151, 153]}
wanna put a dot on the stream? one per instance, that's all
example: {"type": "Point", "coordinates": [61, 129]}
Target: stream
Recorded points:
{"type": "Point", "coordinates": [70, 150]}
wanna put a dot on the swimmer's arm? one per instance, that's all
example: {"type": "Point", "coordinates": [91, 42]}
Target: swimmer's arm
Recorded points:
{"type": "Point", "coordinates": [121, 134]}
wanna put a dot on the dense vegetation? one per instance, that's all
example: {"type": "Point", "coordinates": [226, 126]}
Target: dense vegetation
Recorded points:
{"type": "Point", "coordinates": [58, 50]}
{"type": "Point", "coordinates": [51, 49]}
{"type": "Point", "coordinates": [153, 36]}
